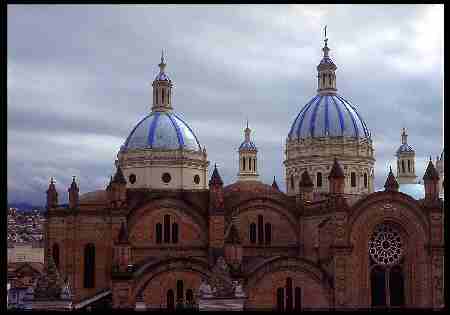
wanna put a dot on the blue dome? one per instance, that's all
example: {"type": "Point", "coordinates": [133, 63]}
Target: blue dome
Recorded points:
{"type": "Point", "coordinates": [404, 148]}
{"type": "Point", "coordinates": [417, 191]}
{"type": "Point", "coordinates": [162, 130]}
{"type": "Point", "coordinates": [328, 115]}
{"type": "Point", "coordinates": [162, 76]}
{"type": "Point", "coordinates": [247, 145]}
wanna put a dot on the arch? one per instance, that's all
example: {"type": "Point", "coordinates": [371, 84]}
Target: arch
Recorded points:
{"type": "Point", "coordinates": [267, 203]}
{"type": "Point", "coordinates": [89, 266]}
{"type": "Point", "coordinates": [279, 263]}
{"type": "Point", "coordinates": [300, 268]}
{"type": "Point", "coordinates": [56, 254]}
{"type": "Point", "coordinates": [365, 180]}
{"type": "Point", "coordinates": [353, 179]}
{"type": "Point", "coordinates": [172, 204]}
{"type": "Point", "coordinates": [252, 233]}
{"type": "Point", "coordinates": [152, 269]}
{"type": "Point", "coordinates": [260, 229]}
{"type": "Point", "coordinates": [403, 166]}
{"type": "Point", "coordinates": [170, 300]}
{"type": "Point", "coordinates": [175, 233]}
{"type": "Point", "coordinates": [243, 160]}
{"type": "Point", "coordinates": [383, 197]}
{"type": "Point", "coordinates": [166, 228]}
{"type": "Point", "coordinates": [268, 233]}
{"type": "Point", "coordinates": [158, 231]}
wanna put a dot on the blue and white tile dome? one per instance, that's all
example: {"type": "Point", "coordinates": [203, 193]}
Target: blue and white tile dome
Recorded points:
{"type": "Point", "coordinates": [248, 145]}
{"type": "Point", "coordinates": [328, 115]}
{"type": "Point", "coordinates": [162, 130]}
{"type": "Point", "coordinates": [404, 148]}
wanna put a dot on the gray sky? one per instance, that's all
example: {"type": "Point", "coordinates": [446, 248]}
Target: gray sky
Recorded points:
{"type": "Point", "coordinates": [79, 79]}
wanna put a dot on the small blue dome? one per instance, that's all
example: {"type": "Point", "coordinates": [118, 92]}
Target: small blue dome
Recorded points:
{"type": "Point", "coordinates": [404, 148]}
{"type": "Point", "coordinates": [162, 76]}
{"type": "Point", "coordinates": [162, 130]}
{"type": "Point", "coordinates": [417, 191]}
{"type": "Point", "coordinates": [247, 145]}
{"type": "Point", "coordinates": [328, 115]}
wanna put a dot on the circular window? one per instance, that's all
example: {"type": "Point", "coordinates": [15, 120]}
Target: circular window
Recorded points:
{"type": "Point", "coordinates": [166, 177]}
{"type": "Point", "coordinates": [385, 245]}
{"type": "Point", "coordinates": [132, 178]}
{"type": "Point", "coordinates": [196, 179]}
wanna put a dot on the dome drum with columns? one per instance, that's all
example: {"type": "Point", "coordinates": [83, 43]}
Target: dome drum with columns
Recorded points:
{"type": "Point", "coordinates": [329, 126]}
{"type": "Point", "coordinates": [162, 151]}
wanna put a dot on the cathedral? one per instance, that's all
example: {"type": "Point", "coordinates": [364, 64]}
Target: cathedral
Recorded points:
{"type": "Point", "coordinates": [163, 234]}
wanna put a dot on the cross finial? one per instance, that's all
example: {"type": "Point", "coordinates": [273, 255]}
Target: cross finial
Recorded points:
{"type": "Point", "coordinates": [162, 55]}
{"type": "Point", "coordinates": [162, 65]}
{"type": "Point", "coordinates": [51, 180]}
{"type": "Point", "coordinates": [325, 36]}
{"type": "Point", "coordinates": [73, 178]}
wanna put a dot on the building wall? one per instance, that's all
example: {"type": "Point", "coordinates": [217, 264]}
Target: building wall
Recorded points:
{"type": "Point", "coordinates": [25, 253]}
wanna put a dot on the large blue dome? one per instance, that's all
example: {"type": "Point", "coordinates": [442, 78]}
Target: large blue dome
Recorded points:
{"type": "Point", "coordinates": [162, 130]}
{"type": "Point", "coordinates": [328, 115]}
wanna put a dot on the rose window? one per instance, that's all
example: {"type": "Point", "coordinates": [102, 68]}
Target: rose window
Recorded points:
{"type": "Point", "coordinates": [385, 245]}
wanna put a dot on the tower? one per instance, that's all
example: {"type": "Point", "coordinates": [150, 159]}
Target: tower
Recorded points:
{"type": "Point", "coordinates": [440, 170]}
{"type": "Point", "coordinates": [52, 195]}
{"type": "Point", "coordinates": [406, 160]}
{"type": "Point", "coordinates": [248, 165]}
{"type": "Point", "coordinates": [162, 89]}
{"type": "Point", "coordinates": [73, 194]}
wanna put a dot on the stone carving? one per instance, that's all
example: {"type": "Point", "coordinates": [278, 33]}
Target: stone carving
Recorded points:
{"type": "Point", "coordinates": [221, 271]}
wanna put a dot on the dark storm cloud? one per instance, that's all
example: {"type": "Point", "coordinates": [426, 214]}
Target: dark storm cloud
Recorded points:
{"type": "Point", "coordinates": [79, 79]}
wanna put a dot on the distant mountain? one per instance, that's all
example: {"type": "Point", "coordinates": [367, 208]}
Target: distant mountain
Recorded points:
{"type": "Point", "coordinates": [25, 207]}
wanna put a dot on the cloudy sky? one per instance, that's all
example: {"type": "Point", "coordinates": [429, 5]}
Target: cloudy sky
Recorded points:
{"type": "Point", "coordinates": [79, 79]}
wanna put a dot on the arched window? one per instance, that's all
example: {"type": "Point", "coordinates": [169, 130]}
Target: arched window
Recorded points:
{"type": "Point", "coordinates": [323, 80]}
{"type": "Point", "coordinates": [253, 233]}
{"type": "Point", "coordinates": [166, 228]}
{"type": "Point", "coordinates": [329, 79]}
{"type": "Point", "coordinates": [180, 290]}
{"type": "Point", "coordinates": [243, 163]}
{"type": "Point", "coordinates": [396, 288]}
{"type": "Point", "coordinates": [268, 228]}
{"type": "Point", "coordinates": [55, 254]}
{"type": "Point", "coordinates": [280, 299]}
{"type": "Point", "coordinates": [319, 179]}
{"type": "Point", "coordinates": [289, 297]}
{"type": "Point", "coordinates": [158, 231]}
{"type": "Point", "coordinates": [260, 230]}
{"type": "Point", "coordinates": [162, 96]}
{"type": "Point", "coordinates": [377, 281]}
{"type": "Point", "coordinates": [174, 233]}
{"type": "Point", "coordinates": [298, 299]}
{"type": "Point", "coordinates": [409, 166]}
{"type": "Point", "coordinates": [249, 163]}
{"type": "Point", "coordinates": [353, 179]}
{"type": "Point", "coordinates": [170, 300]}
{"type": "Point", "coordinates": [254, 165]}
{"type": "Point", "coordinates": [365, 180]}
{"type": "Point", "coordinates": [156, 96]}
{"type": "Point", "coordinates": [403, 166]}
{"type": "Point", "coordinates": [292, 181]}
{"type": "Point", "coordinates": [189, 296]}
{"type": "Point", "coordinates": [89, 266]}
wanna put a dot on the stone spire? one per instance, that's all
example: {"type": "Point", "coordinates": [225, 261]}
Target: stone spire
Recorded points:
{"type": "Point", "coordinates": [248, 158]}
{"type": "Point", "coordinates": [431, 182]}
{"type": "Point", "coordinates": [336, 179]}
{"type": "Point", "coordinates": [73, 194]}
{"type": "Point", "coordinates": [162, 88]}
{"type": "Point", "coordinates": [274, 184]}
{"type": "Point", "coordinates": [52, 195]}
{"type": "Point", "coordinates": [391, 183]}
{"type": "Point", "coordinates": [215, 177]}
{"type": "Point", "coordinates": [326, 72]}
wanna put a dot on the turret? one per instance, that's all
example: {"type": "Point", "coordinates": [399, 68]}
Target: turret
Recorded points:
{"type": "Point", "coordinates": [216, 216]}
{"type": "Point", "coordinates": [117, 189]}
{"type": "Point", "coordinates": [391, 183]}
{"type": "Point", "coordinates": [248, 156]}
{"type": "Point", "coordinates": [73, 194]}
{"type": "Point", "coordinates": [52, 195]}
{"type": "Point", "coordinates": [336, 179]}
{"type": "Point", "coordinates": [406, 161]}
{"type": "Point", "coordinates": [275, 185]}
{"type": "Point", "coordinates": [431, 182]}
{"type": "Point", "coordinates": [162, 89]}
{"type": "Point", "coordinates": [326, 72]}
